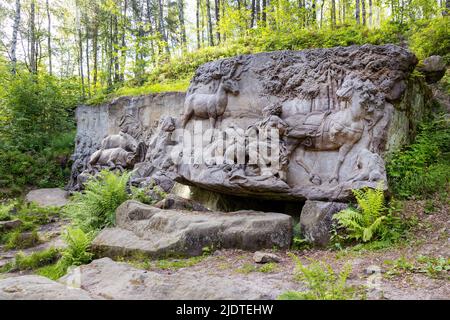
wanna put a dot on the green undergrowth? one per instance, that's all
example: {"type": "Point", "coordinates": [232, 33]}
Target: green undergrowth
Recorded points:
{"type": "Point", "coordinates": [31, 217]}
{"type": "Point", "coordinates": [422, 169]}
{"type": "Point", "coordinates": [322, 282]}
{"type": "Point", "coordinates": [432, 266]}
{"type": "Point", "coordinates": [247, 268]}
{"type": "Point", "coordinates": [33, 261]}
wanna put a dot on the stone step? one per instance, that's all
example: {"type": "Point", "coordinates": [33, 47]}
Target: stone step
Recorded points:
{"type": "Point", "coordinates": [158, 233]}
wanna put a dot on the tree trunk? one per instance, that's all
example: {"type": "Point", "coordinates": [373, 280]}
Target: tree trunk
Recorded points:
{"type": "Point", "coordinates": [14, 37]}
{"type": "Point", "coordinates": [263, 11]}
{"type": "Point", "coordinates": [210, 31]}
{"type": "Point", "coordinates": [333, 13]}
{"type": "Point", "coordinates": [94, 49]}
{"type": "Point", "coordinates": [197, 20]}
{"type": "Point", "coordinates": [123, 48]}
{"type": "Point", "coordinates": [321, 13]}
{"type": "Point", "coordinates": [217, 11]}
{"type": "Point", "coordinates": [161, 25]}
{"type": "Point", "coordinates": [33, 64]}
{"type": "Point", "coordinates": [358, 20]}
{"type": "Point", "coordinates": [252, 21]}
{"type": "Point", "coordinates": [182, 25]}
{"type": "Point", "coordinates": [370, 13]}
{"type": "Point", "coordinates": [363, 7]}
{"type": "Point", "coordinates": [49, 41]}
{"type": "Point", "coordinates": [88, 70]}
{"type": "Point", "coordinates": [80, 49]}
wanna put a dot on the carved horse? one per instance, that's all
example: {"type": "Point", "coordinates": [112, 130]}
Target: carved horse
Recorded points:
{"type": "Point", "coordinates": [329, 131]}
{"type": "Point", "coordinates": [212, 105]}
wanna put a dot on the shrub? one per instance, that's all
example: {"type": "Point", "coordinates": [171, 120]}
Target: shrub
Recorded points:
{"type": "Point", "coordinates": [94, 209]}
{"type": "Point", "coordinates": [430, 37]}
{"type": "Point", "coordinates": [423, 168]}
{"type": "Point", "coordinates": [322, 281]}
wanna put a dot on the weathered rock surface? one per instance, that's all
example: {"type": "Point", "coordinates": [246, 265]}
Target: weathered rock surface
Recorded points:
{"type": "Point", "coordinates": [31, 287]}
{"type": "Point", "coordinates": [158, 232]}
{"type": "Point", "coordinates": [265, 257]}
{"type": "Point", "coordinates": [316, 220]}
{"type": "Point", "coordinates": [336, 113]}
{"type": "Point", "coordinates": [175, 202]}
{"type": "Point", "coordinates": [113, 280]}
{"type": "Point", "coordinates": [50, 197]}
{"type": "Point", "coordinates": [10, 225]}
{"type": "Point", "coordinates": [433, 68]}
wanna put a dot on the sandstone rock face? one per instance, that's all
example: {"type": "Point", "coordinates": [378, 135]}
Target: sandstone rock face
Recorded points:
{"type": "Point", "coordinates": [316, 220]}
{"type": "Point", "coordinates": [434, 68]}
{"type": "Point", "coordinates": [113, 280]}
{"type": "Point", "coordinates": [287, 125]}
{"type": "Point", "coordinates": [33, 287]}
{"type": "Point", "coordinates": [178, 203]}
{"type": "Point", "coordinates": [156, 232]}
{"type": "Point", "coordinates": [137, 117]}
{"type": "Point", "coordinates": [51, 197]}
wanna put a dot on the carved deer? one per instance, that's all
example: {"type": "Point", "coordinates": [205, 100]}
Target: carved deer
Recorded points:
{"type": "Point", "coordinates": [212, 105]}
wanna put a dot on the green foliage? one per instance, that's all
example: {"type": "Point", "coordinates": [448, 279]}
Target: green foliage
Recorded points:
{"type": "Point", "coordinates": [36, 131]}
{"type": "Point", "coordinates": [21, 240]}
{"type": "Point", "coordinates": [367, 222]}
{"type": "Point", "coordinates": [94, 209]}
{"type": "Point", "coordinates": [78, 245]}
{"type": "Point", "coordinates": [434, 267]}
{"type": "Point", "coordinates": [247, 268]}
{"type": "Point", "coordinates": [431, 37]}
{"type": "Point", "coordinates": [322, 281]}
{"type": "Point", "coordinates": [423, 168]}
{"type": "Point", "coordinates": [76, 253]}
{"type": "Point", "coordinates": [5, 211]}
{"type": "Point", "coordinates": [34, 109]}
{"type": "Point", "coordinates": [32, 261]}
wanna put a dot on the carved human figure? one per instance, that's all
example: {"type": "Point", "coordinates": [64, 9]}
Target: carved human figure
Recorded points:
{"type": "Point", "coordinates": [338, 130]}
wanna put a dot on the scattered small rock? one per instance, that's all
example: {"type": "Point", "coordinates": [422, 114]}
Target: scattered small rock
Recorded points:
{"type": "Point", "coordinates": [265, 257]}
{"type": "Point", "coordinates": [10, 225]}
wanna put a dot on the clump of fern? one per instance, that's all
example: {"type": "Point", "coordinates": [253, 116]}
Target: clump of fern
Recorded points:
{"type": "Point", "coordinates": [94, 209]}
{"type": "Point", "coordinates": [77, 252]}
{"type": "Point", "coordinates": [370, 220]}
{"type": "Point", "coordinates": [322, 281]}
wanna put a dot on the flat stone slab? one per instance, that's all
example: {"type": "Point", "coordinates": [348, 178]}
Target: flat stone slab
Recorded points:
{"type": "Point", "coordinates": [32, 287]}
{"type": "Point", "coordinates": [157, 232]}
{"type": "Point", "coordinates": [50, 197]}
{"type": "Point", "coordinates": [117, 280]}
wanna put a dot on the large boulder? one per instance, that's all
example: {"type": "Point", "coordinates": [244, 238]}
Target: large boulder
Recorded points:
{"type": "Point", "coordinates": [335, 112]}
{"type": "Point", "coordinates": [157, 232]}
{"type": "Point", "coordinates": [32, 287]}
{"type": "Point", "coordinates": [316, 220]}
{"type": "Point", "coordinates": [433, 68]}
{"type": "Point", "coordinates": [114, 280]}
{"type": "Point", "coordinates": [49, 197]}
